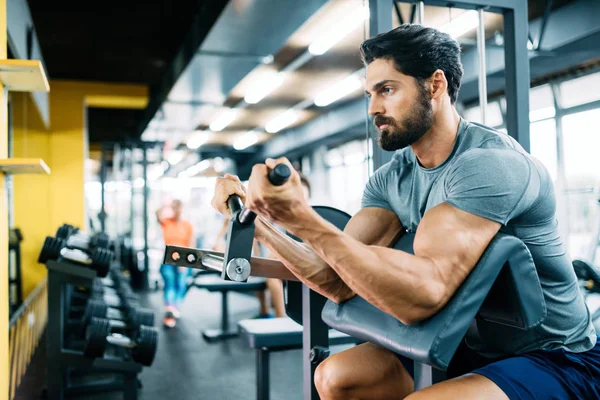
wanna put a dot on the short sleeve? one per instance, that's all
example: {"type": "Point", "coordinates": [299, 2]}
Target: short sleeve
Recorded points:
{"type": "Point", "coordinates": [376, 193]}
{"type": "Point", "coordinates": [497, 184]}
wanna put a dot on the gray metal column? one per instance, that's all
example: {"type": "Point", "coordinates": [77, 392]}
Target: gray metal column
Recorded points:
{"type": "Point", "coordinates": [381, 12]}
{"type": "Point", "coordinates": [420, 13]}
{"type": "Point", "coordinates": [130, 164]}
{"type": "Point", "coordinates": [482, 66]}
{"type": "Point", "coordinates": [102, 213]}
{"type": "Point", "coordinates": [145, 283]}
{"type": "Point", "coordinates": [517, 74]}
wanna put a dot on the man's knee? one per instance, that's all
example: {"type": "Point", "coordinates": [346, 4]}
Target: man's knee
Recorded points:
{"type": "Point", "coordinates": [330, 378]}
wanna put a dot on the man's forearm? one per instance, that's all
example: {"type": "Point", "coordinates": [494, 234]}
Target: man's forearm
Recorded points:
{"type": "Point", "coordinates": [303, 262]}
{"type": "Point", "coordinates": [397, 282]}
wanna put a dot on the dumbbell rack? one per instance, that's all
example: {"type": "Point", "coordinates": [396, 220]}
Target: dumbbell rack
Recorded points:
{"type": "Point", "coordinates": [62, 277]}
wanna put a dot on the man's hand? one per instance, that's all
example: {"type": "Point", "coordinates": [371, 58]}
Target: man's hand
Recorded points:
{"type": "Point", "coordinates": [281, 204]}
{"type": "Point", "coordinates": [225, 187]}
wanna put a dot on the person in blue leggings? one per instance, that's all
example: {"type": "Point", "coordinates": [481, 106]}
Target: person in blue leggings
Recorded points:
{"type": "Point", "coordinates": [176, 232]}
{"type": "Point", "coordinates": [175, 283]}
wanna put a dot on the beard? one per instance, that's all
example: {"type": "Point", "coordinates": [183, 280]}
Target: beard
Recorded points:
{"type": "Point", "coordinates": [412, 128]}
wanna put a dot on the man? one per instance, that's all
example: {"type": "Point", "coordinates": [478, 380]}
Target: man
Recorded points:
{"type": "Point", "coordinates": [456, 185]}
{"type": "Point", "coordinates": [176, 232]}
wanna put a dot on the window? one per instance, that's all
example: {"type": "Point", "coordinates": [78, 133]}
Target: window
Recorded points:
{"type": "Point", "coordinates": [580, 90]}
{"type": "Point", "coordinates": [543, 144]}
{"type": "Point", "coordinates": [493, 114]}
{"type": "Point", "coordinates": [347, 175]}
{"type": "Point", "coordinates": [582, 169]}
{"type": "Point", "coordinates": [581, 144]}
{"type": "Point", "coordinates": [541, 103]}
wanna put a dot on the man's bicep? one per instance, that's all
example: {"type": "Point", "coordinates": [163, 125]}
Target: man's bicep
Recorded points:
{"type": "Point", "coordinates": [454, 241]}
{"type": "Point", "coordinates": [375, 226]}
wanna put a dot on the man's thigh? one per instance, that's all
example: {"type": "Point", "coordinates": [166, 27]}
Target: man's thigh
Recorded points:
{"type": "Point", "coordinates": [537, 375]}
{"type": "Point", "coordinates": [466, 387]}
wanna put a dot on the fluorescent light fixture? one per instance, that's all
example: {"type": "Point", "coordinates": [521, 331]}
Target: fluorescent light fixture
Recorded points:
{"type": "Point", "coordinates": [197, 139]}
{"type": "Point", "coordinates": [339, 31]}
{"type": "Point", "coordinates": [195, 169]}
{"type": "Point", "coordinates": [262, 87]}
{"type": "Point", "coordinates": [247, 140]}
{"type": "Point", "coordinates": [462, 24]}
{"type": "Point", "coordinates": [339, 90]}
{"type": "Point", "coordinates": [175, 157]}
{"type": "Point", "coordinates": [223, 120]}
{"type": "Point", "coordinates": [281, 121]}
{"type": "Point", "coordinates": [542, 113]}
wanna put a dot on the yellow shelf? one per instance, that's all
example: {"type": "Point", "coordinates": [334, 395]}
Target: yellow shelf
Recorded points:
{"type": "Point", "coordinates": [23, 166]}
{"type": "Point", "coordinates": [24, 76]}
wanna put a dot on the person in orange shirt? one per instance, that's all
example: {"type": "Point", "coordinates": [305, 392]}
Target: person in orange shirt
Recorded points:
{"type": "Point", "coordinates": [176, 232]}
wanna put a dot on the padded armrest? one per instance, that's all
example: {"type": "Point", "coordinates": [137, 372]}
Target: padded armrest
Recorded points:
{"type": "Point", "coordinates": [517, 301]}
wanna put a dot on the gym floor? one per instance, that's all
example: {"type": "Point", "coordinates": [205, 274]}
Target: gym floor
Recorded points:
{"type": "Point", "coordinates": [186, 367]}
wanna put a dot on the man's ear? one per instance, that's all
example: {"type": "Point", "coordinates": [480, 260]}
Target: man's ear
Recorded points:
{"type": "Point", "coordinates": [439, 84]}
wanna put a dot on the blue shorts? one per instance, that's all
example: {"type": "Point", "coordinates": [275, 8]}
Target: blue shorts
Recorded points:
{"type": "Point", "coordinates": [540, 374]}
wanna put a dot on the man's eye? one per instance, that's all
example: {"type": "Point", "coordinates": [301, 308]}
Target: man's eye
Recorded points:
{"type": "Point", "coordinates": [388, 89]}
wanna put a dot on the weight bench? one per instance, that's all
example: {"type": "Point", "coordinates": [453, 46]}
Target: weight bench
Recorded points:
{"type": "Point", "coordinates": [503, 292]}
{"type": "Point", "coordinates": [277, 334]}
{"type": "Point", "coordinates": [214, 283]}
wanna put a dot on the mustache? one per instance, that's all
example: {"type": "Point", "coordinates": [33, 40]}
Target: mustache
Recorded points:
{"type": "Point", "coordinates": [383, 120]}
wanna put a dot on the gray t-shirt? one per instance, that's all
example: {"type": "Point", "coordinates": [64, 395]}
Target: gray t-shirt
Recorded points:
{"type": "Point", "coordinates": [489, 174]}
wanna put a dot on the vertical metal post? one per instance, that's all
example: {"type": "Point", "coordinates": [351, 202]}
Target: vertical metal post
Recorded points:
{"type": "Point", "coordinates": [102, 214]}
{"type": "Point", "coordinates": [517, 74]}
{"type": "Point", "coordinates": [420, 13]}
{"type": "Point", "coordinates": [145, 283]}
{"type": "Point", "coordinates": [482, 66]}
{"type": "Point", "coordinates": [131, 163]}
{"type": "Point", "coordinates": [314, 333]}
{"type": "Point", "coordinates": [262, 374]}
{"type": "Point", "coordinates": [380, 21]}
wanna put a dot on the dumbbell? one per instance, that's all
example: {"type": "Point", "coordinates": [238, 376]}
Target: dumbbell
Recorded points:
{"type": "Point", "coordinates": [100, 239]}
{"type": "Point", "coordinates": [102, 332]}
{"type": "Point", "coordinates": [56, 249]}
{"type": "Point", "coordinates": [134, 317]}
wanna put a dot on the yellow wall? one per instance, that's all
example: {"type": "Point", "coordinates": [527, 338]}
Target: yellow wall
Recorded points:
{"type": "Point", "coordinates": [31, 192]}
{"type": "Point", "coordinates": [43, 203]}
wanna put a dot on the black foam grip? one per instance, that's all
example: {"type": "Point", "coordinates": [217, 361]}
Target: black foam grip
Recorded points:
{"type": "Point", "coordinates": [279, 175]}
{"type": "Point", "coordinates": [234, 203]}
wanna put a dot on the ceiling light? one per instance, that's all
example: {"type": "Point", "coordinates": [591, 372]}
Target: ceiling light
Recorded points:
{"type": "Point", "coordinates": [197, 139]}
{"type": "Point", "coordinates": [175, 157]}
{"type": "Point", "coordinates": [260, 88]}
{"type": "Point", "coordinates": [247, 140]}
{"type": "Point", "coordinates": [339, 90]}
{"type": "Point", "coordinates": [281, 121]}
{"type": "Point", "coordinates": [462, 24]}
{"type": "Point", "coordinates": [223, 120]}
{"type": "Point", "coordinates": [339, 31]}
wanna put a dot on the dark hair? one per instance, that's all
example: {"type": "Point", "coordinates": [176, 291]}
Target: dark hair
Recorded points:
{"type": "Point", "coordinates": [418, 51]}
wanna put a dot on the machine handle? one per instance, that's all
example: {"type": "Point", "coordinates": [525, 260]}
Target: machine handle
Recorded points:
{"type": "Point", "coordinates": [277, 176]}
